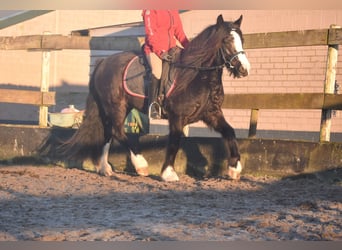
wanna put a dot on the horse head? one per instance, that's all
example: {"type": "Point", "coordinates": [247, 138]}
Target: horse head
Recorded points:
{"type": "Point", "coordinates": [231, 50]}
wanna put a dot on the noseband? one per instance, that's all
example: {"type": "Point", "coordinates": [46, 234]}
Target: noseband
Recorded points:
{"type": "Point", "coordinates": [228, 61]}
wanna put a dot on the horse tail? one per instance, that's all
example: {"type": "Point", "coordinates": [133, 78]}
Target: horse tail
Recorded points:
{"type": "Point", "coordinates": [88, 140]}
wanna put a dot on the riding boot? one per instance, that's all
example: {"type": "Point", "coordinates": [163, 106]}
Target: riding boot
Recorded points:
{"type": "Point", "coordinates": [153, 104]}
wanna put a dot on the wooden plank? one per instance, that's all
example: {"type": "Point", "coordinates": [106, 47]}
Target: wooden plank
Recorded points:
{"type": "Point", "coordinates": [335, 36]}
{"type": "Point", "coordinates": [48, 98]}
{"type": "Point", "coordinates": [20, 42]}
{"type": "Point", "coordinates": [231, 101]}
{"type": "Point", "coordinates": [274, 101]}
{"type": "Point", "coordinates": [286, 39]}
{"type": "Point", "coordinates": [332, 101]}
{"type": "Point", "coordinates": [27, 97]}
{"type": "Point", "coordinates": [117, 43]}
{"type": "Point", "coordinates": [283, 101]}
{"type": "Point", "coordinates": [58, 42]}
{"type": "Point", "coordinates": [252, 41]}
{"type": "Point", "coordinates": [93, 43]}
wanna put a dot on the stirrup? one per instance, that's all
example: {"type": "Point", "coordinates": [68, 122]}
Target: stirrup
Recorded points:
{"type": "Point", "coordinates": [155, 114]}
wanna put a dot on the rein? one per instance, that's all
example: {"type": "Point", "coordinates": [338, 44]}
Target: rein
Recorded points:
{"type": "Point", "coordinates": [226, 62]}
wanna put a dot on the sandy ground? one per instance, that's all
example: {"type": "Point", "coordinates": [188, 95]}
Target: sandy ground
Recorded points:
{"type": "Point", "coordinates": [58, 204]}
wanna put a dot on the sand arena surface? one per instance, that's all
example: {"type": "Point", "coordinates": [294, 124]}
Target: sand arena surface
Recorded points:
{"type": "Point", "coordinates": [54, 203]}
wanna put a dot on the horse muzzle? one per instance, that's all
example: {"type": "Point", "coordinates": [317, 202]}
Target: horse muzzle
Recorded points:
{"type": "Point", "coordinates": [243, 71]}
{"type": "Point", "coordinates": [242, 65]}
{"type": "Point", "coordinates": [245, 66]}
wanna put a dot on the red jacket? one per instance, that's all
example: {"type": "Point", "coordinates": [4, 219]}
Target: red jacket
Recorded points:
{"type": "Point", "coordinates": [161, 29]}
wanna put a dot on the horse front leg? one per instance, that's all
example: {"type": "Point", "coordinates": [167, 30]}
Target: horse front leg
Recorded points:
{"type": "Point", "coordinates": [234, 164]}
{"type": "Point", "coordinates": [168, 171]}
{"type": "Point", "coordinates": [139, 162]}
{"type": "Point", "coordinates": [219, 124]}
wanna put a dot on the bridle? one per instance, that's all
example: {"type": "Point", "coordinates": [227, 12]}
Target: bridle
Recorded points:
{"type": "Point", "coordinates": [227, 62]}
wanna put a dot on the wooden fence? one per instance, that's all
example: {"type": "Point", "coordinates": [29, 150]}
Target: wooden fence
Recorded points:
{"type": "Point", "coordinates": [326, 101]}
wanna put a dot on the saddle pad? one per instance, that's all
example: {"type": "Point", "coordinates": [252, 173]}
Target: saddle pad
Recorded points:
{"type": "Point", "coordinates": [135, 78]}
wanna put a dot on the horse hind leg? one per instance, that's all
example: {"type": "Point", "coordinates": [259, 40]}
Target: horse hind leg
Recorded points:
{"type": "Point", "coordinates": [139, 162]}
{"type": "Point", "coordinates": [104, 168]}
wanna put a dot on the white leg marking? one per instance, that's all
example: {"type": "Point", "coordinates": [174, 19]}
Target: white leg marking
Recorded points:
{"type": "Point", "coordinates": [169, 174]}
{"type": "Point", "coordinates": [140, 164]}
{"type": "Point", "coordinates": [234, 172]}
{"type": "Point", "coordinates": [105, 167]}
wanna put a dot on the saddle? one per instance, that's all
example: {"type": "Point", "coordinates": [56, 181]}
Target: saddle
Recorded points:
{"type": "Point", "coordinates": [137, 76]}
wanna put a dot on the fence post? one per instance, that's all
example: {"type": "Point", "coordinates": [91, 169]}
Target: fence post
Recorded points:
{"type": "Point", "coordinates": [329, 88]}
{"type": "Point", "coordinates": [253, 123]}
{"type": "Point", "coordinates": [44, 85]}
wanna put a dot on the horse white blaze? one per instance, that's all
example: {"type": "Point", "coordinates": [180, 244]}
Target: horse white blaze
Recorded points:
{"type": "Point", "coordinates": [238, 46]}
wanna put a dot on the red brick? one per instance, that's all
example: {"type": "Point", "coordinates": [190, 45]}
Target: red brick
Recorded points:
{"type": "Point", "coordinates": [290, 59]}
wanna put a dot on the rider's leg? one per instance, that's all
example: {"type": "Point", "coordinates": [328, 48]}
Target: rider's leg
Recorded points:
{"type": "Point", "coordinates": [153, 90]}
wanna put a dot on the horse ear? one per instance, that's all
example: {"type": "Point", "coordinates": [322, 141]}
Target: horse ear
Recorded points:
{"type": "Point", "coordinates": [239, 21]}
{"type": "Point", "coordinates": [219, 21]}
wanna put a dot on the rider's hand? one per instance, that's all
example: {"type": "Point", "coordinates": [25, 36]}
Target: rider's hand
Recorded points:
{"type": "Point", "coordinates": [166, 56]}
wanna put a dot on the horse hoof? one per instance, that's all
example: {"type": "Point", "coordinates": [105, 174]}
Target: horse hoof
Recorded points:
{"type": "Point", "coordinates": [104, 169]}
{"type": "Point", "coordinates": [234, 172]}
{"type": "Point", "coordinates": [169, 174]}
{"type": "Point", "coordinates": [140, 164]}
{"type": "Point", "coordinates": [142, 171]}
{"type": "Point", "coordinates": [106, 173]}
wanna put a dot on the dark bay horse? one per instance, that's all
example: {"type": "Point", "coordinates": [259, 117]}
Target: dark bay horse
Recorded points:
{"type": "Point", "coordinates": [197, 94]}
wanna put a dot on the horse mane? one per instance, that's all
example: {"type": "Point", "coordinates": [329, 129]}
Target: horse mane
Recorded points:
{"type": "Point", "coordinates": [200, 52]}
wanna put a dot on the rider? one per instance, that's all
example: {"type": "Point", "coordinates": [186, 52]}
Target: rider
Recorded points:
{"type": "Point", "coordinates": [162, 28]}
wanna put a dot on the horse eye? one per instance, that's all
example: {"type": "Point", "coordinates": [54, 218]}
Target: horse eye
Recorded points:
{"type": "Point", "coordinates": [228, 39]}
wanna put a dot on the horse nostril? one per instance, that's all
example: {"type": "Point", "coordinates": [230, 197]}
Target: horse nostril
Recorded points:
{"type": "Point", "coordinates": [243, 71]}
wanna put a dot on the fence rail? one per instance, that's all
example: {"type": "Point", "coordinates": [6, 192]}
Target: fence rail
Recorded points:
{"type": "Point", "coordinates": [326, 101]}
{"type": "Point", "coordinates": [30, 97]}
{"type": "Point", "coordinates": [283, 101]}
{"type": "Point", "coordinates": [252, 41]}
